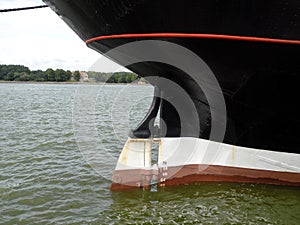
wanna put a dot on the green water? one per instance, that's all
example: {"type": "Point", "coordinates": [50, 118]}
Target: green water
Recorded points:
{"type": "Point", "coordinates": [45, 179]}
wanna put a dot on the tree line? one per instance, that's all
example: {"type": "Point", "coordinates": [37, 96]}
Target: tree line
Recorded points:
{"type": "Point", "coordinates": [117, 77]}
{"type": "Point", "coordinates": [23, 73]}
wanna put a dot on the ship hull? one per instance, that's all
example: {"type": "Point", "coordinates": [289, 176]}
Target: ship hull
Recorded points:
{"type": "Point", "coordinates": [259, 82]}
{"type": "Point", "coordinates": [190, 160]}
{"type": "Point", "coordinates": [249, 48]}
{"type": "Point", "coordinates": [271, 18]}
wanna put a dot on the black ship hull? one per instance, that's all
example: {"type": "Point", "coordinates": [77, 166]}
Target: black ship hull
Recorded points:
{"type": "Point", "coordinates": [258, 81]}
{"type": "Point", "coordinates": [251, 47]}
{"type": "Point", "coordinates": [258, 78]}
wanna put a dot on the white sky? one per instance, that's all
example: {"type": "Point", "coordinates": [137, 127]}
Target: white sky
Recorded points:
{"type": "Point", "coordinates": [39, 39]}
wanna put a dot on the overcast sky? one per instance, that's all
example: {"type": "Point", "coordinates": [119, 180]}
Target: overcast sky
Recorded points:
{"type": "Point", "coordinates": [39, 39]}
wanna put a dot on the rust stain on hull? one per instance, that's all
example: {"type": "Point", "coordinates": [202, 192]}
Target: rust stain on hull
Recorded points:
{"type": "Point", "coordinates": [191, 174]}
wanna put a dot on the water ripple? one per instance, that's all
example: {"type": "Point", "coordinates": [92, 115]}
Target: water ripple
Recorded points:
{"type": "Point", "coordinates": [45, 180]}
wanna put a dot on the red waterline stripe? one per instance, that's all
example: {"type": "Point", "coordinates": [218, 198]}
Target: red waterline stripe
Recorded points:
{"type": "Point", "coordinates": [204, 36]}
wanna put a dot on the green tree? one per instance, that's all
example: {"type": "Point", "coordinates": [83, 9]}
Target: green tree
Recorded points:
{"type": "Point", "coordinates": [23, 77]}
{"type": "Point", "coordinates": [76, 75]}
{"type": "Point", "coordinates": [7, 71]}
{"type": "Point", "coordinates": [59, 73]}
{"type": "Point", "coordinates": [50, 74]}
{"type": "Point", "coordinates": [17, 75]}
{"type": "Point", "coordinates": [68, 75]}
{"type": "Point", "coordinates": [39, 76]}
{"type": "Point", "coordinates": [9, 76]}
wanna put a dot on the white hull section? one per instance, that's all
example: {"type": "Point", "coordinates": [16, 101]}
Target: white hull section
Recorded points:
{"type": "Point", "coordinates": [201, 160]}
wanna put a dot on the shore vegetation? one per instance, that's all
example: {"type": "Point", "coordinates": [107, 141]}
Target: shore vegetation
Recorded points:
{"type": "Point", "coordinates": [23, 73]}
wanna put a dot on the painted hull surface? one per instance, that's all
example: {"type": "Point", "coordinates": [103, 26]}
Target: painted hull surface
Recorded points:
{"type": "Point", "coordinates": [190, 160]}
{"type": "Point", "coordinates": [252, 49]}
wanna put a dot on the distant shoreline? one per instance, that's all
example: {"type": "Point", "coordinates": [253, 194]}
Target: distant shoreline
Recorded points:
{"type": "Point", "coordinates": [75, 82]}
{"type": "Point", "coordinates": [22, 73]}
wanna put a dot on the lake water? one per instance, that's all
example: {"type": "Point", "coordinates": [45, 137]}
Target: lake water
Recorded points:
{"type": "Point", "coordinates": [59, 144]}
